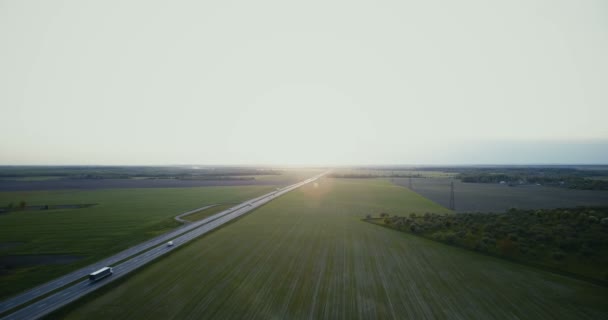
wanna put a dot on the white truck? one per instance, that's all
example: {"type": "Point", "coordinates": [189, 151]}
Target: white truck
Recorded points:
{"type": "Point", "coordinates": [101, 273]}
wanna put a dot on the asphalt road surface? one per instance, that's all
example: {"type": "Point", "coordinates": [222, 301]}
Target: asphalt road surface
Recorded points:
{"type": "Point", "coordinates": [178, 218]}
{"type": "Point", "coordinates": [137, 256]}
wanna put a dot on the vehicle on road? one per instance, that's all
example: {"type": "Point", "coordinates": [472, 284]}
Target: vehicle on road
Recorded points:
{"type": "Point", "coordinates": [101, 273]}
{"type": "Point", "coordinates": [170, 244]}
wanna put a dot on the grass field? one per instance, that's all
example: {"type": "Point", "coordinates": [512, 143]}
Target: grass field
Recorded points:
{"type": "Point", "coordinates": [164, 179]}
{"type": "Point", "coordinates": [491, 197]}
{"type": "Point", "coordinates": [77, 237]}
{"type": "Point", "coordinates": [394, 173]}
{"type": "Point", "coordinates": [308, 255]}
{"type": "Point", "coordinates": [34, 178]}
{"type": "Point", "coordinates": [208, 212]}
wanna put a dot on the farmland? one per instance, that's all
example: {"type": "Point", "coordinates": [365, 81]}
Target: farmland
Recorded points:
{"type": "Point", "coordinates": [389, 172]}
{"type": "Point", "coordinates": [484, 197]}
{"type": "Point", "coordinates": [85, 178]}
{"type": "Point", "coordinates": [309, 255]}
{"type": "Point", "coordinates": [43, 244]}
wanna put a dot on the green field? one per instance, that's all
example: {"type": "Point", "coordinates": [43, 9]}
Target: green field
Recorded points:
{"type": "Point", "coordinates": [121, 218]}
{"type": "Point", "coordinates": [309, 255]}
{"type": "Point", "coordinates": [397, 172]}
{"type": "Point", "coordinates": [494, 197]}
{"type": "Point", "coordinates": [33, 178]}
{"type": "Point", "coordinates": [208, 212]}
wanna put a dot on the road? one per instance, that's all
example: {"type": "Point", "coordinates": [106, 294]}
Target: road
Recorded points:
{"type": "Point", "coordinates": [178, 218]}
{"type": "Point", "coordinates": [136, 256]}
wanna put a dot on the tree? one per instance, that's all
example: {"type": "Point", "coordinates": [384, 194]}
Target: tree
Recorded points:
{"type": "Point", "coordinates": [586, 251]}
{"type": "Point", "coordinates": [506, 246]}
{"type": "Point", "coordinates": [414, 228]}
{"type": "Point", "coordinates": [450, 237]}
{"type": "Point", "coordinates": [558, 255]}
{"type": "Point", "coordinates": [22, 205]}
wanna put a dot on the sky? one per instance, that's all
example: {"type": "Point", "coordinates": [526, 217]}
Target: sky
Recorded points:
{"type": "Point", "coordinates": [303, 82]}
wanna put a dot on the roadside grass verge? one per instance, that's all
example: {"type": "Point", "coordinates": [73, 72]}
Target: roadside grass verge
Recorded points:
{"type": "Point", "coordinates": [208, 212]}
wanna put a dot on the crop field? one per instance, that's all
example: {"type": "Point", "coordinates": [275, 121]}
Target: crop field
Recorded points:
{"type": "Point", "coordinates": [39, 245]}
{"type": "Point", "coordinates": [286, 177]}
{"type": "Point", "coordinates": [83, 184]}
{"type": "Point", "coordinates": [486, 197]}
{"type": "Point", "coordinates": [396, 172]}
{"type": "Point", "coordinates": [309, 255]}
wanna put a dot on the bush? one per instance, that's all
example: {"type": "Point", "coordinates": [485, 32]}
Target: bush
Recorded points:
{"type": "Point", "coordinates": [415, 228]}
{"type": "Point", "coordinates": [569, 244]}
{"type": "Point", "coordinates": [450, 237]}
{"type": "Point", "coordinates": [481, 247]}
{"type": "Point", "coordinates": [489, 241]}
{"type": "Point", "coordinates": [558, 255]}
{"type": "Point", "coordinates": [506, 247]}
{"type": "Point", "coordinates": [438, 236]}
{"type": "Point", "coordinates": [586, 251]}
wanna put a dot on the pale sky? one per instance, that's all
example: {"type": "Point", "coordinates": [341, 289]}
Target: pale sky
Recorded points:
{"type": "Point", "coordinates": [306, 82]}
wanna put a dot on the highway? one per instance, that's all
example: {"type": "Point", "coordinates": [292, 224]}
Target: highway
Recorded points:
{"type": "Point", "coordinates": [136, 256]}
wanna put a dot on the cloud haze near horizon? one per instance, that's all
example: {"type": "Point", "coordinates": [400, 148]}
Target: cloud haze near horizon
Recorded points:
{"type": "Point", "coordinates": [316, 82]}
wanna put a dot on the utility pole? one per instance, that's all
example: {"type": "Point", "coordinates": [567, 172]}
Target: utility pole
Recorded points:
{"type": "Point", "coordinates": [452, 202]}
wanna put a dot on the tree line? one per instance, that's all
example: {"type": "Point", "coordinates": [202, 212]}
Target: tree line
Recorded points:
{"type": "Point", "coordinates": [572, 240]}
